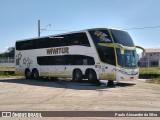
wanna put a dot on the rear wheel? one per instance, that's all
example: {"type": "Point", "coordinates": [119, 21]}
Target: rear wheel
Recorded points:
{"type": "Point", "coordinates": [28, 74]}
{"type": "Point", "coordinates": [77, 75]}
{"type": "Point", "coordinates": [35, 74]}
{"type": "Point", "coordinates": [92, 77]}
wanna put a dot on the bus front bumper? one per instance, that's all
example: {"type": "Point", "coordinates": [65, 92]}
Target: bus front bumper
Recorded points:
{"type": "Point", "coordinates": [124, 76]}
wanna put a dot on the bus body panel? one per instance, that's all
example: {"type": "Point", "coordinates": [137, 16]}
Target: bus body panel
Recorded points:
{"type": "Point", "coordinates": [33, 59]}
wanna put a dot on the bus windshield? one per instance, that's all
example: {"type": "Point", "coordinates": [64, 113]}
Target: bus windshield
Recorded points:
{"type": "Point", "coordinates": [122, 37]}
{"type": "Point", "coordinates": [128, 59]}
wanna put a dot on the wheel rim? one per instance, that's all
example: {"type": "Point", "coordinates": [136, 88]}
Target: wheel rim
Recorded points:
{"type": "Point", "coordinates": [90, 76]}
{"type": "Point", "coordinates": [76, 75]}
{"type": "Point", "coordinates": [28, 74]}
{"type": "Point", "coordinates": [35, 74]}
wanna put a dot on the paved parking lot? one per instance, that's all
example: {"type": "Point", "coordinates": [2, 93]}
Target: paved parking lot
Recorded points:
{"type": "Point", "coordinates": [42, 95]}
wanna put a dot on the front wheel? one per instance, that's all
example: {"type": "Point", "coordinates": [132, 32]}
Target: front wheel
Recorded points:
{"type": "Point", "coordinates": [92, 77]}
{"type": "Point", "coordinates": [111, 83]}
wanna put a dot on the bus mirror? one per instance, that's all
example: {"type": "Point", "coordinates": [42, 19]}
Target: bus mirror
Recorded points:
{"type": "Point", "coordinates": [122, 51]}
{"type": "Point", "coordinates": [144, 52]}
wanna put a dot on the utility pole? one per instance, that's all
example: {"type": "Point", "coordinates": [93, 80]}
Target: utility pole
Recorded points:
{"type": "Point", "coordinates": [39, 32]}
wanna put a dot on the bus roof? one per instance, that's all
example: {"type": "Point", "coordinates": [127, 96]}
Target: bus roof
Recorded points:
{"type": "Point", "coordinates": [71, 32]}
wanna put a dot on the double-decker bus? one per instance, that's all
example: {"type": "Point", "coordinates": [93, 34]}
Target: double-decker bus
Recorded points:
{"type": "Point", "coordinates": [93, 54]}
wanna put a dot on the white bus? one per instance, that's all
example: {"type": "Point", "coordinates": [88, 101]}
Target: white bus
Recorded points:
{"type": "Point", "coordinates": [93, 54]}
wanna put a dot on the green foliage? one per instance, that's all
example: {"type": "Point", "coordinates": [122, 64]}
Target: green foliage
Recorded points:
{"type": "Point", "coordinates": [6, 73]}
{"type": "Point", "coordinates": [8, 53]}
{"type": "Point", "coordinates": [154, 80]}
{"type": "Point", "coordinates": [149, 70]}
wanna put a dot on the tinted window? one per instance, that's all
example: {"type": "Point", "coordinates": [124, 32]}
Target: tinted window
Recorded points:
{"type": "Point", "coordinates": [128, 59]}
{"type": "Point", "coordinates": [66, 60]}
{"type": "Point", "coordinates": [106, 54]}
{"type": "Point", "coordinates": [78, 39]}
{"type": "Point", "coordinates": [25, 45]}
{"type": "Point", "coordinates": [122, 37]}
{"type": "Point", "coordinates": [54, 41]}
{"type": "Point", "coordinates": [100, 36]}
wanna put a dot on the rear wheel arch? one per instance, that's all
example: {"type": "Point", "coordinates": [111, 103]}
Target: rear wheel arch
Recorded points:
{"type": "Point", "coordinates": [88, 70]}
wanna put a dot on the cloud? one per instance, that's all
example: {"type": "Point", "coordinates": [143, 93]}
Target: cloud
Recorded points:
{"type": "Point", "coordinates": [4, 49]}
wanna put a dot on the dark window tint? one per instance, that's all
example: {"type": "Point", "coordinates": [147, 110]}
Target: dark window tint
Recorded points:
{"type": "Point", "coordinates": [66, 60]}
{"type": "Point", "coordinates": [100, 36]}
{"type": "Point", "coordinates": [78, 39]}
{"type": "Point", "coordinates": [25, 45]}
{"type": "Point", "coordinates": [54, 41]}
{"type": "Point", "coordinates": [106, 54]}
{"type": "Point", "coordinates": [122, 37]}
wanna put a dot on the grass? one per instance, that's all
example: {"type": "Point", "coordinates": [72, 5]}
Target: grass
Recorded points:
{"type": "Point", "coordinates": [10, 68]}
{"type": "Point", "coordinates": [149, 70]}
{"type": "Point", "coordinates": [8, 72]}
{"type": "Point", "coordinates": [154, 80]}
{"type": "Point", "coordinates": [152, 71]}
{"type": "Point", "coordinates": [12, 76]}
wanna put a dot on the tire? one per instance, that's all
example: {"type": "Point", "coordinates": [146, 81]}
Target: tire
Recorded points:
{"type": "Point", "coordinates": [92, 77]}
{"type": "Point", "coordinates": [28, 74]}
{"type": "Point", "coordinates": [110, 83]}
{"type": "Point", "coordinates": [36, 74]}
{"type": "Point", "coordinates": [77, 75]}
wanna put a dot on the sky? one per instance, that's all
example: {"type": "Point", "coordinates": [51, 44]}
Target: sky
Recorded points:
{"type": "Point", "coordinates": [19, 18]}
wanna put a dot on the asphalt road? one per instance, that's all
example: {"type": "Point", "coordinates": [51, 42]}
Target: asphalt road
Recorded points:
{"type": "Point", "coordinates": [47, 95]}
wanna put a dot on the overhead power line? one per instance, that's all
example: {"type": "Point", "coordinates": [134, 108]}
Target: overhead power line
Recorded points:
{"type": "Point", "coordinates": [151, 27]}
{"type": "Point", "coordinates": [57, 30]}
{"type": "Point", "coordinates": [134, 28]}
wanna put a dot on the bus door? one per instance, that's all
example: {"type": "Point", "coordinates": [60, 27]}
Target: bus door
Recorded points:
{"type": "Point", "coordinates": [107, 56]}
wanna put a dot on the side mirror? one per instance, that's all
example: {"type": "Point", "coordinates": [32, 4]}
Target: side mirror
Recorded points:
{"type": "Point", "coordinates": [144, 52]}
{"type": "Point", "coordinates": [121, 47]}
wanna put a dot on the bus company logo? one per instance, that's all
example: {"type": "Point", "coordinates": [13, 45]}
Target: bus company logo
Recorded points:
{"type": "Point", "coordinates": [6, 114]}
{"type": "Point", "coordinates": [102, 36]}
{"type": "Point", "coordinates": [63, 50]}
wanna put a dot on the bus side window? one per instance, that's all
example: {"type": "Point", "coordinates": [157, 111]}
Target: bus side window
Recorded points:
{"type": "Point", "coordinates": [78, 39]}
{"type": "Point", "coordinates": [107, 55]}
{"type": "Point", "coordinates": [110, 56]}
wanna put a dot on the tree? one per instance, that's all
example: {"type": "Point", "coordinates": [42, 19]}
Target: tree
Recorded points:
{"type": "Point", "coordinates": [9, 52]}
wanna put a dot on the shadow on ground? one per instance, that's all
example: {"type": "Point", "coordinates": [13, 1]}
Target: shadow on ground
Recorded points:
{"type": "Point", "coordinates": [84, 85]}
{"type": "Point", "coordinates": [124, 84]}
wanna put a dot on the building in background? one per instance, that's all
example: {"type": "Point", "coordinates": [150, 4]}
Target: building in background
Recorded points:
{"type": "Point", "coordinates": [152, 58]}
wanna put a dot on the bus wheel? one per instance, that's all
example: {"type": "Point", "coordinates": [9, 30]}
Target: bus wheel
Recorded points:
{"type": "Point", "coordinates": [28, 74]}
{"type": "Point", "coordinates": [35, 74]}
{"type": "Point", "coordinates": [92, 77]}
{"type": "Point", "coordinates": [110, 83]}
{"type": "Point", "coordinates": [77, 75]}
